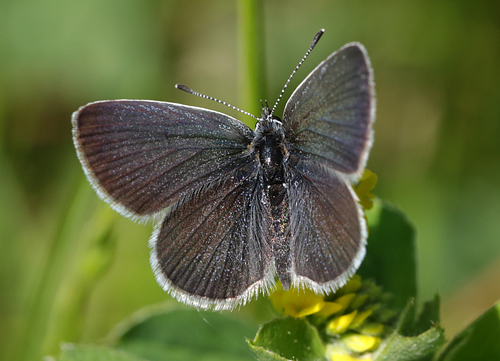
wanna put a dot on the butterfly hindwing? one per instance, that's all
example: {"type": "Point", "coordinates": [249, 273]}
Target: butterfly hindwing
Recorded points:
{"type": "Point", "coordinates": [212, 248]}
{"type": "Point", "coordinates": [328, 231]}
{"type": "Point", "coordinates": [142, 156]}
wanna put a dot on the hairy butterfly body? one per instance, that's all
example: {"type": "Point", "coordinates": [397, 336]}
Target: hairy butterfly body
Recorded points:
{"type": "Point", "coordinates": [239, 207]}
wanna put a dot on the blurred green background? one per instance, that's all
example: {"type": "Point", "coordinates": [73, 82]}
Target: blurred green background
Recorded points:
{"type": "Point", "coordinates": [436, 151]}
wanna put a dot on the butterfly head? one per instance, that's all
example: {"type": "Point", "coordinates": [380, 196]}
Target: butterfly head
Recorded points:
{"type": "Point", "coordinates": [269, 124]}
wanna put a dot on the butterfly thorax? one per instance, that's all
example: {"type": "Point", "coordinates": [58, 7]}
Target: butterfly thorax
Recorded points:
{"type": "Point", "coordinates": [269, 143]}
{"type": "Point", "coordinates": [269, 146]}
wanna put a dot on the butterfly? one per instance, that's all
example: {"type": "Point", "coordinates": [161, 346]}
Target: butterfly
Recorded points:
{"type": "Point", "coordinates": [238, 209]}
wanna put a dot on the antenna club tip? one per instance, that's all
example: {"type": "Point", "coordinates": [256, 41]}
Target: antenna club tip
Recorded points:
{"type": "Point", "coordinates": [184, 88]}
{"type": "Point", "coordinates": [318, 36]}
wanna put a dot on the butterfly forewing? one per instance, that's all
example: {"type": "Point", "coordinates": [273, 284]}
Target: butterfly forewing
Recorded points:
{"type": "Point", "coordinates": [142, 156]}
{"type": "Point", "coordinates": [327, 228]}
{"type": "Point", "coordinates": [212, 248]}
{"type": "Point", "coordinates": [328, 118]}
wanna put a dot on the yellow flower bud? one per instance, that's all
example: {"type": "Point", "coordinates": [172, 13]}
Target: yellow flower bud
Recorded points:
{"type": "Point", "coordinates": [361, 343]}
{"type": "Point", "coordinates": [360, 318]}
{"type": "Point", "coordinates": [335, 353]}
{"type": "Point", "coordinates": [341, 323]}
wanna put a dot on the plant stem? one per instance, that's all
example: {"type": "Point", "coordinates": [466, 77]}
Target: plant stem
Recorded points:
{"type": "Point", "coordinates": [41, 303]}
{"type": "Point", "coordinates": [251, 55]}
{"type": "Point", "coordinates": [98, 250]}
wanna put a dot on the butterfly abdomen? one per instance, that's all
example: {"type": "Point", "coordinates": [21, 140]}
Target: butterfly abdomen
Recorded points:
{"type": "Point", "coordinates": [272, 155]}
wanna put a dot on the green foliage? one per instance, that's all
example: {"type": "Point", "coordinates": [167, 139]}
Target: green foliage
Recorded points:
{"type": "Point", "coordinates": [479, 341]}
{"type": "Point", "coordinates": [391, 254]}
{"type": "Point", "coordinates": [416, 348]}
{"type": "Point", "coordinates": [410, 341]}
{"type": "Point", "coordinates": [156, 334]}
{"type": "Point", "coordinates": [184, 334]}
{"type": "Point", "coordinates": [288, 339]}
{"type": "Point", "coordinates": [172, 334]}
{"type": "Point", "coordinates": [91, 353]}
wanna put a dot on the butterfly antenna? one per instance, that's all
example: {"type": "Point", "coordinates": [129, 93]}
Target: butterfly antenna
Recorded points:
{"type": "Point", "coordinates": [191, 91]}
{"type": "Point", "coordinates": [311, 47]}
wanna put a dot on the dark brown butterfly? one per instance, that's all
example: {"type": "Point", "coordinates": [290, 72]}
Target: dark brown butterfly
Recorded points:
{"type": "Point", "coordinates": [239, 208]}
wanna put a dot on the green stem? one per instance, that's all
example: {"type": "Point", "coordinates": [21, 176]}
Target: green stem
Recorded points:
{"type": "Point", "coordinates": [41, 304]}
{"type": "Point", "coordinates": [251, 54]}
{"type": "Point", "coordinates": [97, 255]}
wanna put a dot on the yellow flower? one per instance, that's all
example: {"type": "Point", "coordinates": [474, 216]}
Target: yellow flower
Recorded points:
{"type": "Point", "coordinates": [352, 318]}
{"type": "Point", "coordinates": [366, 184]}
{"type": "Point", "coordinates": [296, 303]}
{"type": "Point", "coordinates": [339, 305]}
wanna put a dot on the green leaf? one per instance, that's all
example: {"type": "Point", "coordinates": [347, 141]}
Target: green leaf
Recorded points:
{"type": "Point", "coordinates": [406, 321]}
{"type": "Point", "coordinates": [429, 315]}
{"type": "Point", "coordinates": [263, 354]}
{"type": "Point", "coordinates": [479, 341]}
{"type": "Point", "coordinates": [288, 339]}
{"type": "Point", "coordinates": [185, 335]}
{"type": "Point", "coordinates": [391, 256]}
{"type": "Point", "coordinates": [402, 348]}
{"type": "Point", "coordinates": [415, 338]}
{"type": "Point", "coordinates": [90, 353]}
{"type": "Point", "coordinates": [409, 324]}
